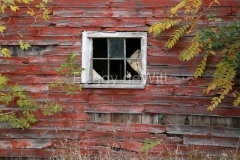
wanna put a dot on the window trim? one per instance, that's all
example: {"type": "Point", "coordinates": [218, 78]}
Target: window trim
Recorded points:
{"type": "Point", "coordinates": [87, 58]}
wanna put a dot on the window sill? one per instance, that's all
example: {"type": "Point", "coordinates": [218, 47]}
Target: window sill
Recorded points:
{"type": "Point", "coordinates": [119, 86]}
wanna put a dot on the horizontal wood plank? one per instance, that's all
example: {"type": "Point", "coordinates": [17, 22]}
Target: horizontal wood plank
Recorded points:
{"type": "Point", "coordinates": [192, 109]}
{"type": "Point", "coordinates": [203, 130]}
{"type": "Point", "coordinates": [25, 143]}
{"type": "Point", "coordinates": [211, 141]}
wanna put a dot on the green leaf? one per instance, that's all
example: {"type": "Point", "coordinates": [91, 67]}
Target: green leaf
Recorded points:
{"type": "Point", "coordinates": [3, 81]}
{"type": "Point", "coordinates": [5, 52]}
{"type": "Point", "coordinates": [24, 45]}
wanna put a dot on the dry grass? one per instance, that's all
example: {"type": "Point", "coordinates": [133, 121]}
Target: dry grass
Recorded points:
{"type": "Point", "coordinates": [72, 151]}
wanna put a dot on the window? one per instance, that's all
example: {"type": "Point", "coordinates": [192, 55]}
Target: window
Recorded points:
{"type": "Point", "coordinates": [114, 59]}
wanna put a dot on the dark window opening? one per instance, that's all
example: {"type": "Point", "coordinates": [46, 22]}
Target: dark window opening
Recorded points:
{"type": "Point", "coordinates": [116, 59]}
{"type": "Point", "coordinates": [100, 49]}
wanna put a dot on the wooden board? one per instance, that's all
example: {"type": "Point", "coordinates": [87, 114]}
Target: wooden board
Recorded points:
{"type": "Point", "coordinates": [203, 130]}
{"type": "Point", "coordinates": [211, 141]}
{"type": "Point", "coordinates": [171, 108]}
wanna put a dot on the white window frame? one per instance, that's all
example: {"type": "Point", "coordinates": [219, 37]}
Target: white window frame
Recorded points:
{"type": "Point", "coordinates": [87, 53]}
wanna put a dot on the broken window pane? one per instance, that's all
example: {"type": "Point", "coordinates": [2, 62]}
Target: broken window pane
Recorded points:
{"type": "Point", "coordinates": [101, 67]}
{"type": "Point", "coordinates": [135, 62]}
{"type": "Point", "coordinates": [132, 44]}
{"type": "Point", "coordinates": [116, 47]}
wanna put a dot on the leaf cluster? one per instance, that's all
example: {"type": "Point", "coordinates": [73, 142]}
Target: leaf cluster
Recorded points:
{"type": "Point", "coordinates": [69, 69]}
{"type": "Point", "coordinates": [13, 5]}
{"type": "Point", "coordinates": [185, 25]}
{"type": "Point", "coordinates": [221, 41]}
{"type": "Point", "coordinates": [148, 144]}
{"type": "Point", "coordinates": [24, 116]}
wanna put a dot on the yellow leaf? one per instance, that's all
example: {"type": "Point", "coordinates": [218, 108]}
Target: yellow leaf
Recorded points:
{"type": "Point", "coordinates": [30, 12]}
{"type": "Point", "coordinates": [14, 8]}
{"type": "Point", "coordinates": [28, 1]}
{"type": "Point", "coordinates": [2, 28]}
{"type": "Point", "coordinates": [150, 30]}
{"type": "Point", "coordinates": [168, 25]}
{"type": "Point", "coordinates": [212, 52]}
{"type": "Point", "coordinates": [5, 52]}
{"type": "Point", "coordinates": [234, 94]}
{"type": "Point", "coordinates": [46, 14]}
{"type": "Point", "coordinates": [3, 8]}
{"type": "Point", "coordinates": [173, 10]}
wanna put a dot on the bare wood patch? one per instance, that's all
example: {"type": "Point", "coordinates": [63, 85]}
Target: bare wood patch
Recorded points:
{"type": "Point", "coordinates": [211, 141]}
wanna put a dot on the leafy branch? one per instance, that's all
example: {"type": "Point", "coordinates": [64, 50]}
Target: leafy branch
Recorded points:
{"type": "Point", "coordinates": [24, 116]}
{"type": "Point", "coordinates": [221, 41]}
{"type": "Point", "coordinates": [13, 5]}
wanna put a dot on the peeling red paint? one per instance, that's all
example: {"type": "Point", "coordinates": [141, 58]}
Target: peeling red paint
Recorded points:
{"type": "Point", "coordinates": [171, 98]}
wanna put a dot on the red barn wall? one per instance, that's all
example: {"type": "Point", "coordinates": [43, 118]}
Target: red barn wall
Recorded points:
{"type": "Point", "coordinates": [172, 109]}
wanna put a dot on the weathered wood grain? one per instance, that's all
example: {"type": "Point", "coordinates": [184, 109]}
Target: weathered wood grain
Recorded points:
{"type": "Point", "coordinates": [44, 40]}
{"type": "Point", "coordinates": [225, 121]}
{"type": "Point", "coordinates": [154, 99]}
{"type": "Point", "coordinates": [178, 119]}
{"type": "Point", "coordinates": [49, 31]}
{"type": "Point", "coordinates": [64, 115]}
{"type": "Point", "coordinates": [25, 143]}
{"type": "Point", "coordinates": [102, 12]}
{"type": "Point", "coordinates": [98, 126]}
{"type": "Point", "coordinates": [178, 71]}
{"type": "Point", "coordinates": [200, 120]}
{"type": "Point", "coordinates": [38, 79]}
{"type": "Point", "coordinates": [192, 91]}
{"type": "Point", "coordinates": [191, 108]}
{"type": "Point", "coordinates": [202, 21]}
{"type": "Point", "coordinates": [171, 108]}
{"type": "Point", "coordinates": [79, 22]}
{"type": "Point", "coordinates": [150, 119]}
{"type": "Point", "coordinates": [149, 90]}
{"type": "Point", "coordinates": [115, 108]}
{"type": "Point", "coordinates": [220, 11]}
{"type": "Point", "coordinates": [202, 130]}
{"type": "Point", "coordinates": [210, 141]}
{"type": "Point", "coordinates": [60, 59]}
{"type": "Point", "coordinates": [14, 60]}
{"type": "Point", "coordinates": [179, 81]}
{"type": "Point", "coordinates": [126, 3]}
{"type": "Point", "coordinates": [29, 69]}
{"type": "Point", "coordinates": [174, 60]}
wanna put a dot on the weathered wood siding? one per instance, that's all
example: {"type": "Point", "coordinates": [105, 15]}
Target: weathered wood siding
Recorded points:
{"type": "Point", "coordinates": [172, 107]}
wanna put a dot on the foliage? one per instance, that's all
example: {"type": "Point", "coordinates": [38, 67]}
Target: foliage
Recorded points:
{"type": "Point", "coordinates": [13, 5]}
{"type": "Point", "coordinates": [148, 144]}
{"type": "Point", "coordinates": [25, 116]}
{"type": "Point", "coordinates": [220, 41]}
{"type": "Point", "coordinates": [69, 69]}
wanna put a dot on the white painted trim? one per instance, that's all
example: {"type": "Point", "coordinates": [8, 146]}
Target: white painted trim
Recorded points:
{"type": "Point", "coordinates": [87, 56]}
